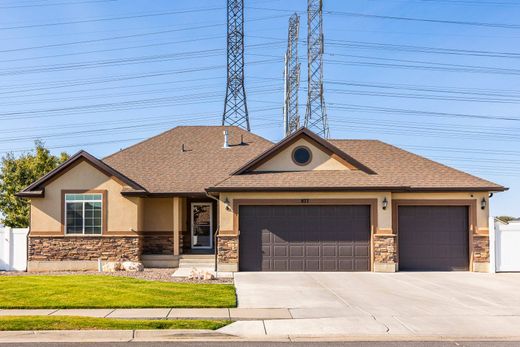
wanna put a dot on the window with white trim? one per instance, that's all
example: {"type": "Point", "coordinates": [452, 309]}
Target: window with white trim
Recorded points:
{"type": "Point", "coordinates": [83, 214]}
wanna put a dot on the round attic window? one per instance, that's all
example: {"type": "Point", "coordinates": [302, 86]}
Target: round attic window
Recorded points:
{"type": "Point", "coordinates": [301, 155]}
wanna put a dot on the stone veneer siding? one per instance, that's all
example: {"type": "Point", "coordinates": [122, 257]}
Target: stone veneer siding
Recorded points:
{"type": "Point", "coordinates": [227, 252]}
{"type": "Point", "coordinates": [69, 248]}
{"type": "Point", "coordinates": [158, 244]}
{"type": "Point", "coordinates": [385, 250]}
{"type": "Point", "coordinates": [481, 249]}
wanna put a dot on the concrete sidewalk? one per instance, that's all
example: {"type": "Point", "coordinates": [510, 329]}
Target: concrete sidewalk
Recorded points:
{"type": "Point", "coordinates": [235, 314]}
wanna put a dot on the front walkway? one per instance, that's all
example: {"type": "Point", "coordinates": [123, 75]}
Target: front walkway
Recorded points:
{"type": "Point", "coordinates": [455, 304]}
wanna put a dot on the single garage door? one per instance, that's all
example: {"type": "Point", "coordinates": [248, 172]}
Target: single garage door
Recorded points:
{"type": "Point", "coordinates": [433, 238]}
{"type": "Point", "coordinates": [304, 238]}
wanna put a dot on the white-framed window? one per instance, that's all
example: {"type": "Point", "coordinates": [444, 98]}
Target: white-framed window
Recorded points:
{"type": "Point", "coordinates": [84, 213]}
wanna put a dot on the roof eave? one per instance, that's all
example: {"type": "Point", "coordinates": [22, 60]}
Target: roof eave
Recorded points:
{"type": "Point", "coordinates": [31, 194]}
{"type": "Point", "coordinates": [146, 194]}
{"type": "Point", "coordinates": [393, 189]}
{"type": "Point", "coordinates": [305, 189]}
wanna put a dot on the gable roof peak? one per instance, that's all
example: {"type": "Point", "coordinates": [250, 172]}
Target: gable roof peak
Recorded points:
{"type": "Point", "coordinates": [37, 188]}
{"type": "Point", "coordinates": [290, 139]}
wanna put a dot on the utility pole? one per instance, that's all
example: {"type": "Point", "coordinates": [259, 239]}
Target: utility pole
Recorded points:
{"type": "Point", "coordinates": [235, 106]}
{"type": "Point", "coordinates": [292, 78]}
{"type": "Point", "coordinates": [316, 112]}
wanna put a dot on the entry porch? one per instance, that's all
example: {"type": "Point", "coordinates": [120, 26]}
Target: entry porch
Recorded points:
{"type": "Point", "coordinates": [174, 228]}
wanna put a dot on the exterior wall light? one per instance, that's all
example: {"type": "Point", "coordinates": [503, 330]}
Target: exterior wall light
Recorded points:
{"type": "Point", "coordinates": [483, 203]}
{"type": "Point", "coordinates": [385, 203]}
{"type": "Point", "coordinates": [228, 204]}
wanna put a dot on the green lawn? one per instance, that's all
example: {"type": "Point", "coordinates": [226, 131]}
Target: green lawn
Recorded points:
{"type": "Point", "coordinates": [91, 291]}
{"type": "Point", "coordinates": [86, 323]}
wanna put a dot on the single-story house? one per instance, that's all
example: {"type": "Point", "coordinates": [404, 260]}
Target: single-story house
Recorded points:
{"type": "Point", "coordinates": [302, 204]}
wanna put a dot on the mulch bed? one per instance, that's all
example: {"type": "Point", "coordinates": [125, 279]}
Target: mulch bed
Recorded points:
{"type": "Point", "coordinates": [150, 274]}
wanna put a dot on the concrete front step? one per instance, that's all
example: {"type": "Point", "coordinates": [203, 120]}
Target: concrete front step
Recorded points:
{"type": "Point", "coordinates": [196, 265]}
{"type": "Point", "coordinates": [160, 260]}
{"type": "Point", "coordinates": [190, 257]}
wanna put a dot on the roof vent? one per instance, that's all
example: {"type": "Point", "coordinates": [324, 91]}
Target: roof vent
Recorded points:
{"type": "Point", "coordinates": [226, 139]}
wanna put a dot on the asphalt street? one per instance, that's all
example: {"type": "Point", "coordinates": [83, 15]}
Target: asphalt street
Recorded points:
{"type": "Point", "coordinates": [285, 344]}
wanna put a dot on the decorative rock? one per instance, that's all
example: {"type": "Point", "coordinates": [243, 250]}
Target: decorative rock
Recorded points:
{"type": "Point", "coordinates": [112, 266]}
{"type": "Point", "coordinates": [132, 266]}
{"type": "Point", "coordinates": [208, 276]}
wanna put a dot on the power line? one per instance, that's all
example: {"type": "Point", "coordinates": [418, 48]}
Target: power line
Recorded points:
{"type": "Point", "coordinates": [420, 113]}
{"type": "Point", "coordinates": [413, 19]}
{"type": "Point", "coordinates": [56, 4]}
{"type": "Point", "coordinates": [424, 20]}
{"type": "Point", "coordinates": [121, 37]}
{"type": "Point", "coordinates": [168, 13]}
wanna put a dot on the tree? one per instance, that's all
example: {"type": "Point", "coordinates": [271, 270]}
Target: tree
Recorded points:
{"type": "Point", "coordinates": [18, 173]}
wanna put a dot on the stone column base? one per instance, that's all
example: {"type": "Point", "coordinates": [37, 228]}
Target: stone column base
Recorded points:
{"type": "Point", "coordinates": [223, 267]}
{"type": "Point", "coordinates": [481, 267]}
{"type": "Point", "coordinates": [385, 267]}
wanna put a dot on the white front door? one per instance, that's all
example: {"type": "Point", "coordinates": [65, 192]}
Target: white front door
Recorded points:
{"type": "Point", "coordinates": [201, 225]}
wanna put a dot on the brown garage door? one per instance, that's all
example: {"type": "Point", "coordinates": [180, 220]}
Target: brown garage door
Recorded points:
{"type": "Point", "coordinates": [433, 238]}
{"type": "Point", "coordinates": [305, 238]}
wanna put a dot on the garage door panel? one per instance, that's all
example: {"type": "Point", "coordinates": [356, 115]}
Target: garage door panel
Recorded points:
{"type": "Point", "coordinates": [305, 238]}
{"type": "Point", "coordinates": [280, 251]}
{"type": "Point", "coordinates": [362, 251]}
{"type": "Point", "coordinates": [312, 265]}
{"type": "Point", "coordinates": [312, 250]}
{"type": "Point", "coordinates": [296, 250]}
{"type": "Point", "coordinates": [433, 238]}
{"type": "Point", "coordinates": [329, 250]}
{"type": "Point", "coordinates": [346, 250]}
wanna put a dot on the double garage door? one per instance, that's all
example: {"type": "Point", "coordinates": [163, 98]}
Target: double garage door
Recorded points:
{"type": "Point", "coordinates": [305, 238]}
{"type": "Point", "coordinates": [337, 238]}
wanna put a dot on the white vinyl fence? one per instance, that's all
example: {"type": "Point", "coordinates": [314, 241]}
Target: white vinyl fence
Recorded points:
{"type": "Point", "coordinates": [13, 249]}
{"type": "Point", "coordinates": [507, 246]}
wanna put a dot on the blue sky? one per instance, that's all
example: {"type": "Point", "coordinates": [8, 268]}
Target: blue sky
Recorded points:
{"type": "Point", "coordinates": [101, 75]}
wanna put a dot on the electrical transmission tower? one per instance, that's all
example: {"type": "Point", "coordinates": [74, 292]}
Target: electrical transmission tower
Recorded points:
{"type": "Point", "coordinates": [235, 107]}
{"type": "Point", "coordinates": [316, 113]}
{"type": "Point", "coordinates": [292, 78]}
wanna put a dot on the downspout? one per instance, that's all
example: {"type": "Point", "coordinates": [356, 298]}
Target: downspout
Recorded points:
{"type": "Point", "coordinates": [217, 230]}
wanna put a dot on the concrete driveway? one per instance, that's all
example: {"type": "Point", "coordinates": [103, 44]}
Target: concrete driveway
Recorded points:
{"type": "Point", "coordinates": [457, 304]}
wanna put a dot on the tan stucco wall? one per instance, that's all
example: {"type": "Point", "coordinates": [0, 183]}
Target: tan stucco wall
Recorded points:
{"type": "Point", "coordinates": [482, 215]}
{"type": "Point", "coordinates": [158, 214]}
{"type": "Point", "coordinates": [283, 160]}
{"type": "Point", "coordinates": [122, 212]}
{"type": "Point", "coordinates": [384, 217]}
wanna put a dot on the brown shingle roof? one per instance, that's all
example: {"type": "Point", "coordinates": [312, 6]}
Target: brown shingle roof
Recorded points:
{"type": "Point", "coordinates": [395, 169]}
{"type": "Point", "coordinates": [160, 165]}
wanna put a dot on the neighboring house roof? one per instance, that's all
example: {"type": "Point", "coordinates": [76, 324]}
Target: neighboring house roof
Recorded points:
{"type": "Point", "coordinates": [162, 167]}
{"type": "Point", "coordinates": [395, 169]}
{"type": "Point", "coordinates": [189, 160]}
{"type": "Point", "coordinates": [37, 189]}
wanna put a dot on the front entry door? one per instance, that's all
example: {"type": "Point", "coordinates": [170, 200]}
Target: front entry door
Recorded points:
{"type": "Point", "coordinates": [201, 225]}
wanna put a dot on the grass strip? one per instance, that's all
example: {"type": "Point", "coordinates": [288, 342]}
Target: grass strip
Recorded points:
{"type": "Point", "coordinates": [13, 323]}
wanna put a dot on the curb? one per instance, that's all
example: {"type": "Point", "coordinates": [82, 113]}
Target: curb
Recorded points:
{"type": "Point", "coordinates": [34, 336]}
{"type": "Point", "coordinates": [92, 336]}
